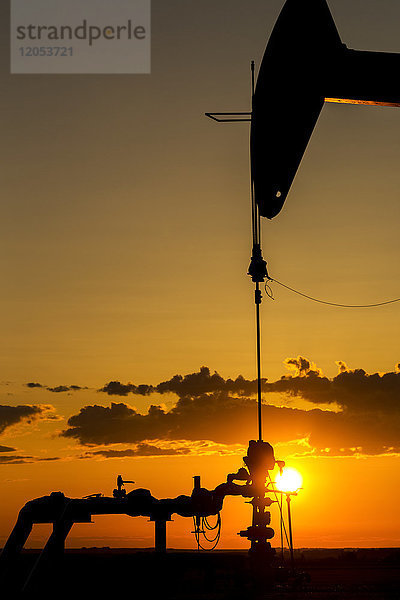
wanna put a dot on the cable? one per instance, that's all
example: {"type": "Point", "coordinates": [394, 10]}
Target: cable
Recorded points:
{"type": "Point", "coordinates": [254, 220]}
{"type": "Point", "coordinates": [281, 527]}
{"type": "Point", "coordinates": [268, 291]}
{"type": "Point", "coordinates": [210, 540]}
{"type": "Point", "coordinates": [211, 527]}
{"type": "Point", "coordinates": [334, 303]}
{"type": "Point", "coordinates": [200, 531]}
{"type": "Point", "coordinates": [280, 510]}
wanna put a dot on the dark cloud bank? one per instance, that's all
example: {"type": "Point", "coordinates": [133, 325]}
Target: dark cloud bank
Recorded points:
{"type": "Point", "coordinates": [210, 407]}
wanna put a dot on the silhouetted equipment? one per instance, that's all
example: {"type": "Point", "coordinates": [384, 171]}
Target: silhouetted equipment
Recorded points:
{"type": "Point", "coordinates": [226, 117]}
{"type": "Point", "coordinates": [259, 461]}
{"type": "Point", "coordinates": [258, 266]}
{"type": "Point", "coordinates": [120, 491]}
{"type": "Point", "coordinates": [280, 464]}
{"type": "Point", "coordinates": [197, 518]}
{"type": "Point", "coordinates": [306, 64]}
{"type": "Point", "coordinates": [64, 512]}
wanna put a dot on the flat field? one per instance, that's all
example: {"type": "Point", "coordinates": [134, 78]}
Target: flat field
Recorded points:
{"type": "Point", "coordinates": [339, 574]}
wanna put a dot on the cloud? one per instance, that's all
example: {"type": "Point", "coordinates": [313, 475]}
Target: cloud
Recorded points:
{"type": "Point", "coordinates": [341, 366]}
{"type": "Point", "coordinates": [350, 389]}
{"type": "Point", "coordinates": [57, 389]}
{"type": "Point", "coordinates": [353, 390]}
{"type": "Point", "coordinates": [210, 407]}
{"type": "Point", "coordinates": [302, 367]}
{"type": "Point", "coordinates": [7, 449]}
{"type": "Point", "coordinates": [65, 388]}
{"type": "Point", "coordinates": [197, 384]}
{"type": "Point", "coordinates": [15, 460]}
{"type": "Point", "coordinates": [193, 384]}
{"type": "Point", "coordinates": [115, 388]}
{"type": "Point", "coordinates": [23, 460]}
{"type": "Point", "coordinates": [174, 448]}
{"type": "Point", "coordinates": [11, 415]}
{"type": "Point", "coordinates": [141, 449]}
{"type": "Point", "coordinates": [196, 418]}
{"type": "Point", "coordinates": [227, 420]}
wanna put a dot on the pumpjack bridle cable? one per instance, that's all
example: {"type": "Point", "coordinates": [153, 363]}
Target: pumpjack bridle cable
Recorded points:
{"type": "Point", "coordinates": [374, 305]}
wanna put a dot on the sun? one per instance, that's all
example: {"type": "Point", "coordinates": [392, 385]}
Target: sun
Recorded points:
{"type": "Point", "coordinates": [289, 481]}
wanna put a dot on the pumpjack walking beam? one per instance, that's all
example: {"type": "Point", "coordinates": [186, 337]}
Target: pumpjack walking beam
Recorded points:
{"type": "Point", "coordinates": [306, 64]}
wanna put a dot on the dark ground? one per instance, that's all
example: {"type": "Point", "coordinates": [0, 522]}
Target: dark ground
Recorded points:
{"type": "Point", "coordinates": [371, 574]}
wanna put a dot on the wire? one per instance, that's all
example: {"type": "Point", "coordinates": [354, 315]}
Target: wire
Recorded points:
{"type": "Point", "coordinates": [254, 220]}
{"type": "Point", "coordinates": [280, 510]}
{"type": "Point", "coordinates": [211, 527]}
{"type": "Point", "coordinates": [334, 303]}
{"type": "Point", "coordinates": [268, 291]}
{"type": "Point", "coordinates": [200, 531]}
{"type": "Point", "coordinates": [210, 540]}
{"type": "Point", "coordinates": [214, 527]}
{"type": "Point", "coordinates": [281, 528]}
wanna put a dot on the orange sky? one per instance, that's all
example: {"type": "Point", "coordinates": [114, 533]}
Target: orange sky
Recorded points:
{"type": "Point", "coordinates": [125, 246]}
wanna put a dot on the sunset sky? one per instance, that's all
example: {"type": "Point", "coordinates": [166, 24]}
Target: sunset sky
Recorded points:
{"type": "Point", "coordinates": [124, 250]}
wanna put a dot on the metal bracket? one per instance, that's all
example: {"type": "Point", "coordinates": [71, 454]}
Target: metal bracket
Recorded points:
{"type": "Point", "coordinates": [229, 117]}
